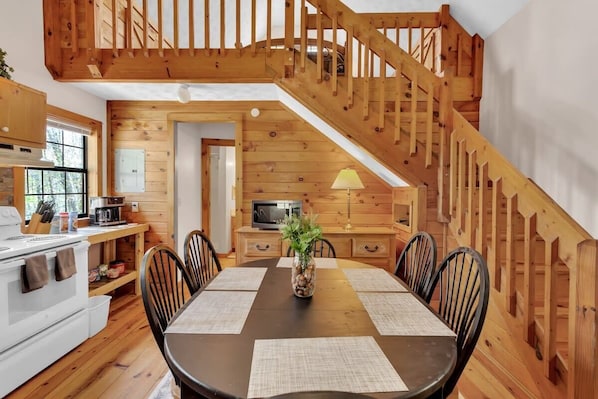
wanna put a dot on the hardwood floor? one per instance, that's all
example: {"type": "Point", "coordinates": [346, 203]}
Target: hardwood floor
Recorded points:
{"type": "Point", "coordinates": [123, 361]}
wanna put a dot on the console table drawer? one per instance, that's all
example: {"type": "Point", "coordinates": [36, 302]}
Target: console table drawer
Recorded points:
{"type": "Point", "coordinates": [342, 246]}
{"type": "Point", "coordinates": [261, 246]}
{"type": "Point", "coordinates": [371, 247]}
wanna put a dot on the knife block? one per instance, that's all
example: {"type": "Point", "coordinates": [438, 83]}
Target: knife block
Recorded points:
{"type": "Point", "coordinates": [35, 225]}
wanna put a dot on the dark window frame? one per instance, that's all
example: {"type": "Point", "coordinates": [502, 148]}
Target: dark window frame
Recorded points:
{"type": "Point", "coordinates": [84, 171]}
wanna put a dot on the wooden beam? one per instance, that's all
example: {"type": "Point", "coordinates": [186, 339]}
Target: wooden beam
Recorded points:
{"type": "Point", "coordinates": [52, 44]}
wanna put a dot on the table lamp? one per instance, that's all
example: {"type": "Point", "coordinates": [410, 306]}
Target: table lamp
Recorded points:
{"type": "Point", "coordinates": [347, 179]}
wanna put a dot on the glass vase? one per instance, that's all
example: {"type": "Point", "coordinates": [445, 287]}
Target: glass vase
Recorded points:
{"type": "Point", "coordinates": [303, 275]}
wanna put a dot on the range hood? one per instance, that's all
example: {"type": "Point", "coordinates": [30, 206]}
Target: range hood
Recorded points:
{"type": "Point", "coordinates": [16, 155]}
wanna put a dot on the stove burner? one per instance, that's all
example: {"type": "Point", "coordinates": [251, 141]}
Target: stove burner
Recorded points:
{"type": "Point", "coordinates": [46, 238]}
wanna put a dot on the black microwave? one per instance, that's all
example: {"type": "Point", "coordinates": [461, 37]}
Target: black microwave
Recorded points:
{"type": "Point", "coordinates": [270, 214]}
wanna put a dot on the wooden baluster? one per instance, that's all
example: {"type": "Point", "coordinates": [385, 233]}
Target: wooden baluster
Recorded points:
{"type": "Point", "coordinates": [429, 124]}
{"type": "Point", "coordinates": [498, 225]}
{"type": "Point", "coordinates": [510, 288]}
{"type": "Point", "coordinates": [382, 92]}
{"type": "Point", "coordinates": [433, 44]}
{"type": "Point", "coordinates": [366, 81]}
{"type": "Point", "coordinates": [319, 44]}
{"type": "Point", "coordinates": [253, 27]}
{"type": "Point", "coordinates": [115, 6]}
{"type": "Point", "coordinates": [413, 131]}
{"type": "Point", "coordinates": [398, 98]}
{"type": "Point", "coordinates": [422, 38]}
{"type": "Point", "coordinates": [453, 175]}
{"type": "Point", "coordinates": [529, 279]}
{"type": "Point", "coordinates": [303, 44]}
{"type": "Point", "coordinates": [461, 170]}
{"type": "Point", "coordinates": [269, 27]}
{"type": "Point", "coordinates": [359, 59]}
{"type": "Point", "coordinates": [160, 30]}
{"type": "Point", "coordinates": [410, 39]}
{"type": "Point", "coordinates": [551, 248]}
{"type": "Point", "coordinates": [145, 31]}
{"type": "Point", "coordinates": [289, 38]}
{"type": "Point", "coordinates": [472, 193]}
{"type": "Point", "coordinates": [206, 27]}
{"type": "Point", "coordinates": [483, 196]}
{"type": "Point", "coordinates": [191, 25]}
{"type": "Point", "coordinates": [459, 55]}
{"type": "Point", "coordinates": [371, 68]}
{"type": "Point", "coordinates": [223, 27]}
{"type": "Point", "coordinates": [349, 66]}
{"type": "Point", "coordinates": [334, 72]}
{"type": "Point", "coordinates": [397, 32]}
{"type": "Point", "coordinates": [129, 28]}
{"type": "Point", "coordinates": [238, 44]}
{"type": "Point", "coordinates": [175, 23]}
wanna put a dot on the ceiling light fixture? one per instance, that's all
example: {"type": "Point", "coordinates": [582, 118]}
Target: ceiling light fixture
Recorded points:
{"type": "Point", "coordinates": [183, 94]}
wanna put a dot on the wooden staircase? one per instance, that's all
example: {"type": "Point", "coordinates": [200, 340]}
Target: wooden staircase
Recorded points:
{"type": "Point", "coordinates": [415, 110]}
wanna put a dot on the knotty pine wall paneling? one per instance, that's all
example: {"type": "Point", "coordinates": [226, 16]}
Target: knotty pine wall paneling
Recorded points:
{"type": "Point", "coordinates": [282, 157]}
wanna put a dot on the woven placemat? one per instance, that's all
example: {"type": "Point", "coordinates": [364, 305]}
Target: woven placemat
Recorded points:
{"type": "Point", "coordinates": [402, 314]}
{"type": "Point", "coordinates": [238, 278]}
{"type": "Point", "coordinates": [349, 364]}
{"type": "Point", "coordinates": [373, 279]}
{"type": "Point", "coordinates": [215, 312]}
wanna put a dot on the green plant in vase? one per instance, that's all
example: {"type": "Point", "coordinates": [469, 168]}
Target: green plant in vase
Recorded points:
{"type": "Point", "coordinates": [5, 69]}
{"type": "Point", "coordinates": [302, 232]}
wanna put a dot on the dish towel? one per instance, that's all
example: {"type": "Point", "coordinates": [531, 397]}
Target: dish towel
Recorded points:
{"type": "Point", "coordinates": [65, 264]}
{"type": "Point", "coordinates": [34, 274]}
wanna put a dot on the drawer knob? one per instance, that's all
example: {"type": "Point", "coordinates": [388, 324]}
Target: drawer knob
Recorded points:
{"type": "Point", "coordinates": [5, 129]}
{"type": "Point", "coordinates": [367, 248]}
{"type": "Point", "coordinates": [257, 246]}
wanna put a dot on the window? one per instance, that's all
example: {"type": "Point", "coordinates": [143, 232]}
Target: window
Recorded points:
{"type": "Point", "coordinates": [66, 183]}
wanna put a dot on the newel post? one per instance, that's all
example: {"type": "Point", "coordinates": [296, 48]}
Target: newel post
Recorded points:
{"type": "Point", "coordinates": [583, 364]}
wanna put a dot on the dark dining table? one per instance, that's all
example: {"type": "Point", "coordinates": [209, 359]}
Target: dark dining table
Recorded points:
{"type": "Point", "coordinates": [218, 365]}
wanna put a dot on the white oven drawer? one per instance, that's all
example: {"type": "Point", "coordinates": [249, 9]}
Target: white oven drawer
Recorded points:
{"type": "Point", "coordinates": [23, 315]}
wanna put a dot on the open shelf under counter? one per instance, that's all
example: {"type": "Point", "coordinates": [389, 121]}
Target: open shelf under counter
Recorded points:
{"type": "Point", "coordinates": [372, 245]}
{"type": "Point", "coordinates": [107, 236]}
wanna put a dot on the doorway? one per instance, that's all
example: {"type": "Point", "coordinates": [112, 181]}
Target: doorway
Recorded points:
{"type": "Point", "coordinates": [218, 200]}
{"type": "Point", "coordinates": [188, 189]}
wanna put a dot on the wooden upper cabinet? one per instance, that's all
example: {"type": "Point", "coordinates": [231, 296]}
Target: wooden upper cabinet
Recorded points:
{"type": "Point", "coordinates": [22, 115]}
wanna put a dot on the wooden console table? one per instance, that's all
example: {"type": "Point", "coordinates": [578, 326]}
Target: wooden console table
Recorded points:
{"type": "Point", "coordinates": [108, 236]}
{"type": "Point", "coordinates": [373, 245]}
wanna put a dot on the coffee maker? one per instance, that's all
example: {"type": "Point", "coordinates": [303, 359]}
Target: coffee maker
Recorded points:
{"type": "Point", "coordinates": [106, 211]}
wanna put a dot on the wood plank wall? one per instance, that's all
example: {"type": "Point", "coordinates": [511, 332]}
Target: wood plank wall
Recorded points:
{"type": "Point", "coordinates": [283, 157]}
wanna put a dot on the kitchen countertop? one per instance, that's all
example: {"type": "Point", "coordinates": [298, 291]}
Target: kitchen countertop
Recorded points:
{"type": "Point", "coordinates": [96, 234]}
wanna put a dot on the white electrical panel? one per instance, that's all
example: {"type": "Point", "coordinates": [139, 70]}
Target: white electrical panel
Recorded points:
{"type": "Point", "coordinates": [129, 170]}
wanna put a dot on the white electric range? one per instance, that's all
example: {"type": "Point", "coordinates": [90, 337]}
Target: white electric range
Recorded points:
{"type": "Point", "coordinates": [40, 326]}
